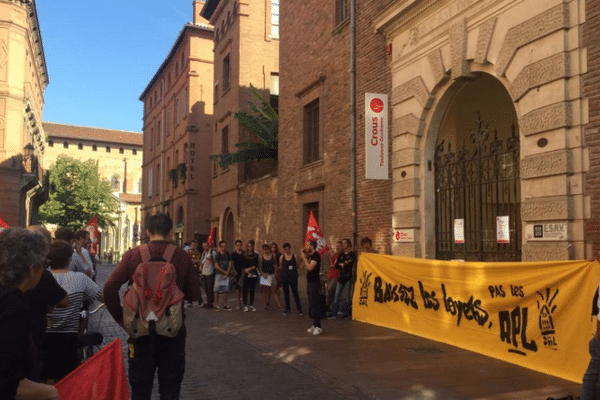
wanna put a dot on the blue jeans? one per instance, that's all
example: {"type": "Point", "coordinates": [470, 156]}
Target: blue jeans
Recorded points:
{"type": "Point", "coordinates": [339, 289]}
{"type": "Point", "coordinates": [590, 387]}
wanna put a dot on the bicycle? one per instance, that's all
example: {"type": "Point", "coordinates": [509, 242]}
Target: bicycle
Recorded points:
{"type": "Point", "coordinates": [89, 339]}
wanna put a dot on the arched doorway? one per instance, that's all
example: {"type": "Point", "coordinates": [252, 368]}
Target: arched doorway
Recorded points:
{"type": "Point", "coordinates": [229, 229]}
{"type": "Point", "coordinates": [477, 185]}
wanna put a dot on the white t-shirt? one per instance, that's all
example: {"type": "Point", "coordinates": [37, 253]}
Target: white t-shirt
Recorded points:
{"type": "Point", "coordinates": [79, 287]}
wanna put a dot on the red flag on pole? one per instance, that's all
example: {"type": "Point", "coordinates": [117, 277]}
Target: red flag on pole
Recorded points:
{"type": "Point", "coordinates": [313, 232]}
{"type": "Point", "coordinates": [102, 377]}
{"type": "Point", "coordinates": [211, 237]}
{"type": "Point", "coordinates": [92, 228]}
{"type": "Point", "coordinates": [2, 223]}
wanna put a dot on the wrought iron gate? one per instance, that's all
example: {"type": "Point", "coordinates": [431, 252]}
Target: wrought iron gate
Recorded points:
{"type": "Point", "coordinates": [477, 184]}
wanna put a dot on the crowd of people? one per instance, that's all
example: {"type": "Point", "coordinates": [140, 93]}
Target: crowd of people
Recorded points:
{"type": "Point", "coordinates": [46, 282]}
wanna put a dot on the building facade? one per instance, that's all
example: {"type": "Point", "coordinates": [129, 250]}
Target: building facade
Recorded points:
{"type": "Point", "coordinates": [316, 122]}
{"type": "Point", "coordinates": [178, 125]}
{"type": "Point", "coordinates": [119, 157]}
{"type": "Point", "coordinates": [23, 79]}
{"type": "Point", "coordinates": [246, 52]}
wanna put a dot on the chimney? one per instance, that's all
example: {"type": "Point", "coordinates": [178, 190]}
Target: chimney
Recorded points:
{"type": "Point", "coordinates": [198, 19]}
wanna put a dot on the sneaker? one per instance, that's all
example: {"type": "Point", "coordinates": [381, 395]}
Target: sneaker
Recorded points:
{"type": "Point", "coordinates": [245, 309]}
{"type": "Point", "coordinates": [251, 308]}
{"type": "Point", "coordinates": [311, 329]}
{"type": "Point", "coordinates": [190, 304]}
{"type": "Point", "coordinates": [227, 308]}
{"type": "Point", "coordinates": [217, 308]}
{"type": "Point", "coordinates": [286, 312]}
{"type": "Point", "coordinates": [317, 331]}
{"type": "Point", "coordinates": [332, 316]}
{"type": "Point", "coordinates": [300, 314]}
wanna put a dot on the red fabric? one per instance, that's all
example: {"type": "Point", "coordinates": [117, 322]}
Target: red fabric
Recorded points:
{"type": "Point", "coordinates": [333, 272]}
{"type": "Point", "coordinates": [211, 238]}
{"type": "Point", "coordinates": [102, 377]}
{"type": "Point", "coordinates": [313, 232]}
{"type": "Point", "coordinates": [2, 223]}
{"type": "Point", "coordinates": [92, 228]}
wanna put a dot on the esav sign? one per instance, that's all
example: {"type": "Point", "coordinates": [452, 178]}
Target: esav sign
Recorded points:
{"type": "Point", "coordinates": [376, 136]}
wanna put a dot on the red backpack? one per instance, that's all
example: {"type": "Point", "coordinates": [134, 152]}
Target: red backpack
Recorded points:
{"type": "Point", "coordinates": [153, 303]}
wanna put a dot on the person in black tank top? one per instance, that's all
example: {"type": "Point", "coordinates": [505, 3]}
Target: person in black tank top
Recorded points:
{"type": "Point", "coordinates": [289, 278]}
{"type": "Point", "coordinates": [268, 283]}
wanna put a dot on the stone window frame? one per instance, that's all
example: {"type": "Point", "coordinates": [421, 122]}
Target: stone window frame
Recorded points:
{"type": "Point", "coordinates": [342, 12]}
{"type": "Point", "coordinates": [226, 73]}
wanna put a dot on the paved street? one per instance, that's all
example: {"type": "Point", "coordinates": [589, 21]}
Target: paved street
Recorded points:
{"type": "Point", "coordinates": [263, 354]}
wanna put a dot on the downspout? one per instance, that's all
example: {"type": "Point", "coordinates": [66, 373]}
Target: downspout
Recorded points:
{"type": "Point", "coordinates": [353, 119]}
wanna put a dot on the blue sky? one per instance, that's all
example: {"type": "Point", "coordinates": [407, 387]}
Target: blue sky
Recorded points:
{"type": "Point", "coordinates": [101, 55]}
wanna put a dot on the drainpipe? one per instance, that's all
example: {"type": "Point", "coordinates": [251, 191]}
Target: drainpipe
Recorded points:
{"type": "Point", "coordinates": [353, 120]}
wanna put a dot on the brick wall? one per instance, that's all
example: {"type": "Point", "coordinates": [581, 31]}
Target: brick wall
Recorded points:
{"type": "Point", "coordinates": [258, 216]}
{"type": "Point", "coordinates": [591, 87]}
{"type": "Point", "coordinates": [314, 63]}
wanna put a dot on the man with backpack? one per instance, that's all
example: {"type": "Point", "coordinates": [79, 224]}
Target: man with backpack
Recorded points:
{"type": "Point", "coordinates": [161, 276]}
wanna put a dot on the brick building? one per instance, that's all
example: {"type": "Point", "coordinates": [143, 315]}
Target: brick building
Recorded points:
{"type": "Point", "coordinates": [178, 127]}
{"type": "Point", "coordinates": [315, 122]}
{"type": "Point", "coordinates": [23, 79]}
{"type": "Point", "coordinates": [119, 157]}
{"type": "Point", "coordinates": [246, 50]}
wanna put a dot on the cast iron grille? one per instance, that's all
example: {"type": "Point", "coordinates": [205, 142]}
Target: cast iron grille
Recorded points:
{"type": "Point", "coordinates": [477, 184]}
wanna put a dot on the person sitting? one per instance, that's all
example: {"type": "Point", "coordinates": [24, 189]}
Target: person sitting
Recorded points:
{"type": "Point", "coordinates": [22, 260]}
{"type": "Point", "coordinates": [60, 344]}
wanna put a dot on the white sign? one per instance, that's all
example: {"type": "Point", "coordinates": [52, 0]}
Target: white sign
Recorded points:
{"type": "Point", "coordinates": [502, 230]}
{"type": "Point", "coordinates": [376, 136]}
{"type": "Point", "coordinates": [404, 235]}
{"type": "Point", "coordinates": [546, 232]}
{"type": "Point", "coordinates": [459, 230]}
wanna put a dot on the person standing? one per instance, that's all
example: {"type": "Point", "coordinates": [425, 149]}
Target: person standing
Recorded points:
{"type": "Point", "coordinates": [312, 260]}
{"type": "Point", "coordinates": [268, 283]}
{"type": "Point", "coordinates": [289, 278]}
{"type": "Point", "coordinates": [208, 274]}
{"type": "Point", "coordinates": [196, 257]}
{"type": "Point", "coordinates": [345, 265]}
{"type": "Point", "coordinates": [250, 276]}
{"type": "Point", "coordinates": [238, 265]}
{"type": "Point", "coordinates": [223, 267]}
{"type": "Point", "coordinates": [81, 261]}
{"type": "Point", "coordinates": [332, 275]}
{"type": "Point", "coordinates": [167, 354]}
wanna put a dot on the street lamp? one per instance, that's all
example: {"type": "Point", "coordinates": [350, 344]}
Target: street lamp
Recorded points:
{"type": "Point", "coordinates": [28, 154]}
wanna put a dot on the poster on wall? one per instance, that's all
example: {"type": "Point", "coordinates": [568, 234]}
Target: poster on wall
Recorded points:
{"type": "Point", "coordinates": [459, 230]}
{"type": "Point", "coordinates": [502, 230]}
{"type": "Point", "coordinates": [376, 136]}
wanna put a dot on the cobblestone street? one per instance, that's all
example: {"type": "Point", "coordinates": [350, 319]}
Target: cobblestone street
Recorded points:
{"type": "Point", "coordinates": [265, 355]}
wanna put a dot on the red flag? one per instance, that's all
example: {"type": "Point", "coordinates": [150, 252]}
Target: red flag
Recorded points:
{"type": "Point", "coordinates": [211, 238]}
{"type": "Point", "coordinates": [102, 377]}
{"type": "Point", "coordinates": [92, 228]}
{"type": "Point", "coordinates": [313, 232]}
{"type": "Point", "coordinates": [2, 223]}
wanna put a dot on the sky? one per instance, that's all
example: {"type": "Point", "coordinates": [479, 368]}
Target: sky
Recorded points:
{"type": "Point", "coordinates": [101, 55]}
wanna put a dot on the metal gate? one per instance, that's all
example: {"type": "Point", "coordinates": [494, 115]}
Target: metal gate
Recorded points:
{"type": "Point", "coordinates": [477, 184]}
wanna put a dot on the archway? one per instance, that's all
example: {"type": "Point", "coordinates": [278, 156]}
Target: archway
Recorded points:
{"type": "Point", "coordinates": [477, 185]}
{"type": "Point", "coordinates": [229, 229]}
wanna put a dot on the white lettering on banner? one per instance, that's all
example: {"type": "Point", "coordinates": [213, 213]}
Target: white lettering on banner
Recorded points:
{"type": "Point", "coordinates": [376, 135]}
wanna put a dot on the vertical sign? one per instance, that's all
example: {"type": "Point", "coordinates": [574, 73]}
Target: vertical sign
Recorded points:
{"type": "Point", "coordinates": [459, 230]}
{"type": "Point", "coordinates": [502, 231]}
{"type": "Point", "coordinates": [376, 136]}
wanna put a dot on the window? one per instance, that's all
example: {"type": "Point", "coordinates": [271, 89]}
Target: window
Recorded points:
{"type": "Point", "coordinates": [151, 137]}
{"type": "Point", "coordinates": [186, 102]}
{"type": "Point", "coordinates": [150, 181]}
{"type": "Point", "coordinates": [66, 145]}
{"type": "Point", "coordinates": [274, 90]}
{"type": "Point", "coordinates": [177, 112]}
{"type": "Point", "coordinates": [108, 149]}
{"type": "Point", "coordinates": [158, 133]}
{"type": "Point", "coordinates": [169, 173]}
{"type": "Point", "coordinates": [94, 147]}
{"type": "Point", "coordinates": [50, 143]}
{"type": "Point", "coordinates": [275, 19]}
{"type": "Point", "coordinates": [121, 150]}
{"type": "Point", "coordinates": [216, 93]}
{"type": "Point", "coordinates": [114, 183]}
{"type": "Point", "coordinates": [311, 132]}
{"type": "Point", "coordinates": [225, 140]}
{"type": "Point", "coordinates": [226, 73]}
{"type": "Point", "coordinates": [182, 60]}
{"type": "Point", "coordinates": [168, 123]}
{"type": "Point", "coordinates": [157, 179]}
{"type": "Point", "coordinates": [341, 11]}
{"type": "Point", "coordinates": [169, 80]}
{"type": "Point", "coordinates": [80, 146]}
{"type": "Point", "coordinates": [134, 152]}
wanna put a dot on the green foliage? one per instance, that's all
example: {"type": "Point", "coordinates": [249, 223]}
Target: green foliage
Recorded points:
{"type": "Point", "coordinates": [77, 194]}
{"type": "Point", "coordinates": [264, 124]}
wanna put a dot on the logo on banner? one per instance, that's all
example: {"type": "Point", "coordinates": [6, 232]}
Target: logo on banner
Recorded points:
{"type": "Point", "coordinates": [365, 282]}
{"type": "Point", "coordinates": [376, 105]}
{"type": "Point", "coordinates": [546, 320]}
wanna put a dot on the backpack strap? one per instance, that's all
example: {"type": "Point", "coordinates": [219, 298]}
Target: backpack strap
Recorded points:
{"type": "Point", "coordinates": [168, 254]}
{"type": "Point", "coordinates": [145, 253]}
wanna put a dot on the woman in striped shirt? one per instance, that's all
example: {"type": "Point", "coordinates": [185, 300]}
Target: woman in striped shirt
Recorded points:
{"type": "Point", "coordinates": [60, 343]}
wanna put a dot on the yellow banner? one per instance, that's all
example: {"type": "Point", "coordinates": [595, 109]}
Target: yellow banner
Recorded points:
{"type": "Point", "coordinates": [534, 314]}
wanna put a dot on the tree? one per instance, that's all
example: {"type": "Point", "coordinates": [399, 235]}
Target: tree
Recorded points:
{"type": "Point", "coordinates": [77, 194]}
{"type": "Point", "coordinates": [264, 124]}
